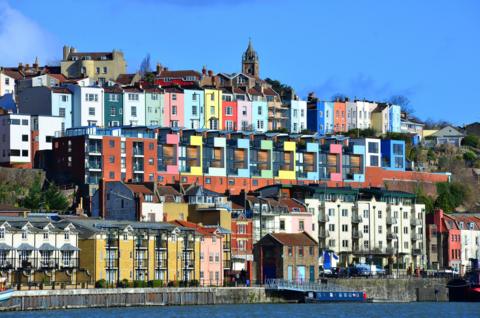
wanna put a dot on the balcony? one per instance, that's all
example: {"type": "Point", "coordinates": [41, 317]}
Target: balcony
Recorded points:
{"type": "Point", "coordinates": [356, 234]}
{"type": "Point", "coordinates": [416, 251]}
{"type": "Point", "coordinates": [141, 263]}
{"type": "Point", "coordinates": [323, 217]}
{"type": "Point", "coordinates": [415, 222]}
{"type": "Point", "coordinates": [356, 218]}
{"type": "Point", "coordinates": [25, 263]}
{"type": "Point", "coordinates": [391, 220]}
{"type": "Point", "coordinates": [416, 237]}
{"type": "Point", "coordinates": [7, 263]}
{"type": "Point", "coordinates": [161, 263]}
{"type": "Point", "coordinates": [141, 244]}
{"type": "Point", "coordinates": [93, 165]}
{"type": "Point", "coordinates": [323, 233]}
{"type": "Point", "coordinates": [111, 263]}
{"type": "Point", "coordinates": [138, 152]}
{"type": "Point", "coordinates": [48, 263]}
{"type": "Point", "coordinates": [69, 263]}
{"type": "Point", "coordinates": [391, 236]}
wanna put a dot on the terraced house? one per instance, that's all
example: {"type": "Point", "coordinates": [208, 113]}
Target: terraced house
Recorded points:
{"type": "Point", "coordinates": [35, 250]}
{"type": "Point", "coordinates": [116, 251]}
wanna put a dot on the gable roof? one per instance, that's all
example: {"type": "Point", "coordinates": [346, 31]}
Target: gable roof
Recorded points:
{"type": "Point", "coordinates": [178, 74]}
{"type": "Point", "coordinates": [447, 131]}
{"type": "Point", "coordinates": [294, 239]}
{"type": "Point", "coordinates": [138, 188]}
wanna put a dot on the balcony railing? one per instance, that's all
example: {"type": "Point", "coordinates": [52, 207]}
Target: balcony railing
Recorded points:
{"type": "Point", "coordinates": [141, 244]}
{"type": "Point", "coordinates": [48, 263]}
{"type": "Point", "coordinates": [391, 220]}
{"type": "Point", "coordinates": [69, 263]}
{"type": "Point", "coordinates": [391, 236]}
{"type": "Point", "coordinates": [416, 251]}
{"type": "Point", "coordinates": [111, 263]}
{"type": "Point", "coordinates": [415, 222]}
{"type": "Point", "coordinates": [138, 151]}
{"type": "Point", "coordinates": [416, 237]}
{"type": "Point", "coordinates": [323, 233]}
{"type": "Point", "coordinates": [323, 217]}
{"type": "Point", "coordinates": [161, 263]}
{"type": "Point", "coordinates": [356, 234]}
{"type": "Point", "coordinates": [356, 218]}
{"type": "Point", "coordinates": [141, 263]}
{"type": "Point", "coordinates": [7, 263]}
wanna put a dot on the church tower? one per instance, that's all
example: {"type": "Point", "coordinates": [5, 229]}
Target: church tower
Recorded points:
{"type": "Point", "coordinates": [250, 64]}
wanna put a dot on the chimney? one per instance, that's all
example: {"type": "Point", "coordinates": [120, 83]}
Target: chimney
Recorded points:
{"type": "Point", "coordinates": [66, 51]}
{"type": "Point", "coordinates": [159, 68]}
{"type": "Point", "coordinates": [204, 70]}
{"type": "Point", "coordinates": [210, 72]}
{"type": "Point", "coordinates": [20, 66]}
{"type": "Point", "coordinates": [73, 50]}
{"type": "Point", "coordinates": [36, 64]}
{"type": "Point", "coordinates": [27, 67]}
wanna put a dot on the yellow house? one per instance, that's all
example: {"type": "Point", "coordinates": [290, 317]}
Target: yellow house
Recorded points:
{"type": "Point", "coordinates": [175, 211]}
{"type": "Point", "coordinates": [115, 251]}
{"type": "Point", "coordinates": [213, 109]}
{"type": "Point", "coordinates": [289, 166]}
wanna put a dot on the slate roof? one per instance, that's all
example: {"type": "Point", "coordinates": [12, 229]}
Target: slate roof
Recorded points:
{"type": "Point", "coordinates": [294, 239]}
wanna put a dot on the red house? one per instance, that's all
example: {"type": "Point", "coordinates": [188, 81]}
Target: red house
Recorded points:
{"type": "Point", "coordinates": [242, 242]}
{"type": "Point", "coordinates": [229, 115]}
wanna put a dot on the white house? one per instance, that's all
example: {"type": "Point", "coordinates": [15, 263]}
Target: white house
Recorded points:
{"type": "Point", "coordinates": [15, 143]}
{"type": "Point", "coordinates": [298, 116]}
{"type": "Point", "coordinates": [7, 83]}
{"type": "Point", "coordinates": [87, 105]}
{"type": "Point", "coordinates": [133, 106]}
{"type": "Point", "coordinates": [45, 128]}
{"type": "Point", "coordinates": [373, 154]}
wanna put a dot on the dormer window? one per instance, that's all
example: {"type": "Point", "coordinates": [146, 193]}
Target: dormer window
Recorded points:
{"type": "Point", "coordinates": [2, 233]}
{"type": "Point", "coordinates": [45, 236]}
{"type": "Point", "coordinates": [24, 235]}
{"type": "Point", "coordinates": [66, 236]}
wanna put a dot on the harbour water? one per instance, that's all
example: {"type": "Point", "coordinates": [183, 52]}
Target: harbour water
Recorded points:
{"type": "Point", "coordinates": [437, 310]}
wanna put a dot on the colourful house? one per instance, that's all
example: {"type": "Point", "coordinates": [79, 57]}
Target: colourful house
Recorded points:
{"type": "Point", "coordinates": [229, 115]}
{"type": "Point", "coordinates": [214, 155]}
{"type": "Point", "coordinates": [320, 117]}
{"type": "Point", "coordinates": [284, 163]}
{"type": "Point", "coordinates": [238, 154]}
{"type": "Point", "coordinates": [113, 106]}
{"type": "Point", "coordinates": [260, 116]}
{"type": "Point", "coordinates": [133, 106]}
{"type": "Point", "coordinates": [191, 154]}
{"type": "Point", "coordinates": [173, 108]}
{"type": "Point", "coordinates": [307, 159]}
{"type": "Point", "coordinates": [244, 113]}
{"type": "Point", "coordinates": [340, 117]}
{"type": "Point", "coordinates": [193, 108]}
{"type": "Point", "coordinates": [154, 100]}
{"type": "Point", "coordinates": [213, 109]}
{"type": "Point", "coordinates": [393, 154]}
{"type": "Point", "coordinates": [261, 157]}
{"type": "Point", "coordinates": [394, 114]}
{"type": "Point", "coordinates": [168, 155]}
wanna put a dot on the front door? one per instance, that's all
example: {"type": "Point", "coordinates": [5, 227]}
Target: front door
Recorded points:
{"type": "Point", "coordinates": [300, 273]}
{"type": "Point", "coordinates": [290, 273]}
{"type": "Point", "coordinates": [312, 274]}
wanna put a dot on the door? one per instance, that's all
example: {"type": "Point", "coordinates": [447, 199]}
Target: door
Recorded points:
{"type": "Point", "coordinates": [300, 273]}
{"type": "Point", "coordinates": [290, 273]}
{"type": "Point", "coordinates": [312, 274]}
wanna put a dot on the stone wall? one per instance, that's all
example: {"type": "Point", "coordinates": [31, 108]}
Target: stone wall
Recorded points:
{"type": "Point", "coordinates": [398, 290]}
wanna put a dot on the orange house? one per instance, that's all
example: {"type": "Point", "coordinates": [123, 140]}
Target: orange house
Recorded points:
{"type": "Point", "coordinates": [339, 117]}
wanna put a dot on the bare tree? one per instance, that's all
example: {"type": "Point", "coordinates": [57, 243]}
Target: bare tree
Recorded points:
{"type": "Point", "coordinates": [145, 66]}
{"type": "Point", "coordinates": [402, 101]}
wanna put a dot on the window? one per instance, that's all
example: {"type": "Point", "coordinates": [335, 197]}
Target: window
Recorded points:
{"type": "Point", "coordinates": [98, 70]}
{"type": "Point", "coordinates": [259, 110]}
{"type": "Point", "coordinates": [311, 250]}
{"type": "Point", "coordinates": [301, 225]}
{"type": "Point", "coordinates": [282, 225]}
{"type": "Point", "coordinates": [91, 97]}
{"type": "Point", "coordinates": [260, 124]}
{"type": "Point", "coordinates": [64, 98]}
{"type": "Point", "coordinates": [290, 251]}
{"type": "Point", "coordinates": [105, 70]}
{"type": "Point", "coordinates": [366, 214]}
{"type": "Point", "coordinates": [344, 227]}
{"type": "Point", "coordinates": [174, 110]}
{"type": "Point", "coordinates": [344, 212]}
{"type": "Point", "coordinates": [111, 143]}
{"type": "Point", "coordinates": [91, 111]}
{"type": "Point", "coordinates": [24, 235]}
{"type": "Point", "coordinates": [111, 159]}
{"type": "Point", "coordinates": [7, 81]}
{"type": "Point", "coordinates": [365, 229]}
{"type": "Point", "coordinates": [111, 175]}
{"type": "Point", "coordinates": [379, 214]}
{"type": "Point", "coordinates": [66, 236]}
{"type": "Point", "coordinates": [331, 227]}
{"type": "Point", "coordinates": [212, 97]}
{"type": "Point", "coordinates": [405, 230]}
{"type": "Point", "coordinates": [174, 96]}
{"type": "Point", "coordinates": [372, 147]}
{"type": "Point", "coordinates": [194, 110]}
{"type": "Point", "coordinates": [300, 251]}
{"type": "Point", "coordinates": [133, 97]}
{"type": "Point", "coordinates": [61, 112]}
{"type": "Point", "coordinates": [344, 243]}
{"type": "Point", "coordinates": [212, 110]}
{"type": "Point", "coordinates": [24, 153]}
{"type": "Point", "coordinates": [24, 137]}
{"type": "Point", "coordinates": [48, 139]}
{"type": "Point", "coordinates": [2, 233]}
{"type": "Point", "coordinates": [133, 111]}
{"type": "Point", "coordinates": [331, 243]}
{"type": "Point", "coordinates": [229, 111]}
{"type": "Point", "coordinates": [380, 229]}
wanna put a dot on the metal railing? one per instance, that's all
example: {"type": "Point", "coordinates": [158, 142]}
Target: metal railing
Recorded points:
{"type": "Point", "coordinates": [301, 285]}
{"type": "Point", "coordinates": [415, 222]}
{"type": "Point", "coordinates": [416, 237]}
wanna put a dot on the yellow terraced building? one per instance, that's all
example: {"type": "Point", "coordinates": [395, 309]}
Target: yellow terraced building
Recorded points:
{"type": "Point", "coordinates": [138, 251]}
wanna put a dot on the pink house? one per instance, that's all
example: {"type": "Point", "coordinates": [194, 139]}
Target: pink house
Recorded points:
{"type": "Point", "coordinates": [244, 115]}
{"type": "Point", "coordinates": [297, 220]}
{"type": "Point", "coordinates": [336, 149]}
{"type": "Point", "coordinates": [173, 107]}
{"type": "Point", "coordinates": [211, 254]}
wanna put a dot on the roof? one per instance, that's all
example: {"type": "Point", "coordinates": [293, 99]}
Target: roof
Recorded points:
{"type": "Point", "coordinates": [269, 91]}
{"type": "Point", "coordinates": [60, 90]}
{"type": "Point", "coordinates": [254, 91]}
{"type": "Point", "coordinates": [125, 79]}
{"type": "Point", "coordinates": [132, 89]}
{"type": "Point", "coordinates": [60, 77]}
{"type": "Point", "coordinates": [113, 89]}
{"type": "Point", "coordinates": [167, 190]}
{"type": "Point", "coordinates": [92, 55]}
{"type": "Point", "coordinates": [200, 229]}
{"type": "Point", "coordinates": [447, 131]}
{"type": "Point", "coordinates": [294, 239]}
{"type": "Point", "coordinates": [178, 74]}
{"type": "Point", "coordinates": [195, 189]}
{"type": "Point", "coordinates": [12, 73]}
{"type": "Point", "coordinates": [292, 204]}
{"type": "Point", "coordinates": [138, 188]}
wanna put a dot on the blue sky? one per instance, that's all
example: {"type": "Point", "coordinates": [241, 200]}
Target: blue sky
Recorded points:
{"type": "Point", "coordinates": [428, 51]}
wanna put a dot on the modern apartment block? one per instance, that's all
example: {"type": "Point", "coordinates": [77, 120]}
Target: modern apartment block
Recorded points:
{"type": "Point", "coordinates": [16, 140]}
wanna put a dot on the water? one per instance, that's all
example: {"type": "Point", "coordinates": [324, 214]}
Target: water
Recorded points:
{"type": "Point", "coordinates": [331, 310]}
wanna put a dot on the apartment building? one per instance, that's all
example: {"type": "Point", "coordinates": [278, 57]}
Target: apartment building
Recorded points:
{"type": "Point", "coordinates": [35, 250]}
{"type": "Point", "coordinates": [87, 106]}
{"type": "Point", "coordinates": [16, 142]}
{"type": "Point", "coordinates": [132, 251]}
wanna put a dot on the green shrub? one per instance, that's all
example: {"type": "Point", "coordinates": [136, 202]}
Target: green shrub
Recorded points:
{"type": "Point", "coordinates": [139, 283]}
{"type": "Point", "coordinates": [102, 283]}
{"type": "Point", "coordinates": [155, 283]}
{"type": "Point", "coordinates": [123, 284]}
{"type": "Point", "coordinates": [194, 283]}
{"type": "Point", "coordinates": [174, 283]}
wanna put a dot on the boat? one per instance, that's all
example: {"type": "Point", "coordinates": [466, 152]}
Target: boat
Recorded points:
{"type": "Point", "coordinates": [5, 293]}
{"type": "Point", "coordinates": [467, 288]}
{"type": "Point", "coordinates": [336, 296]}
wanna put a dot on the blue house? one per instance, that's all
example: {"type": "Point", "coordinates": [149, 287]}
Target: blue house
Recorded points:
{"type": "Point", "coordinates": [393, 154]}
{"type": "Point", "coordinates": [394, 121]}
{"type": "Point", "coordinates": [320, 117]}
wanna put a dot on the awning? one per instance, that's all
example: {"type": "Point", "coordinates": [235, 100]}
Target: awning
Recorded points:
{"type": "Point", "coordinates": [25, 247]}
{"type": "Point", "coordinates": [47, 247]}
{"type": "Point", "coordinates": [69, 247]}
{"type": "Point", "coordinates": [5, 247]}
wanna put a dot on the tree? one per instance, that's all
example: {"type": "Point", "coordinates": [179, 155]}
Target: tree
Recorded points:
{"type": "Point", "coordinates": [450, 195]}
{"type": "Point", "coordinates": [469, 157]}
{"type": "Point", "coordinates": [362, 133]}
{"type": "Point", "coordinates": [339, 96]}
{"type": "Point", "coordinates": [150, 78]}
{"type": "Point", "coordinates": [54, 199]}
{"type": "Point", "coordinates": [471, 141]}
{"type": "Point", "coordinates": [403, 102]}
{"type": "Point", "coordinates": [145, 66]}
{"type": "Point", "coordinates": [34, 198]}
{"type": "Point", "coordinates": [285, 91]}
